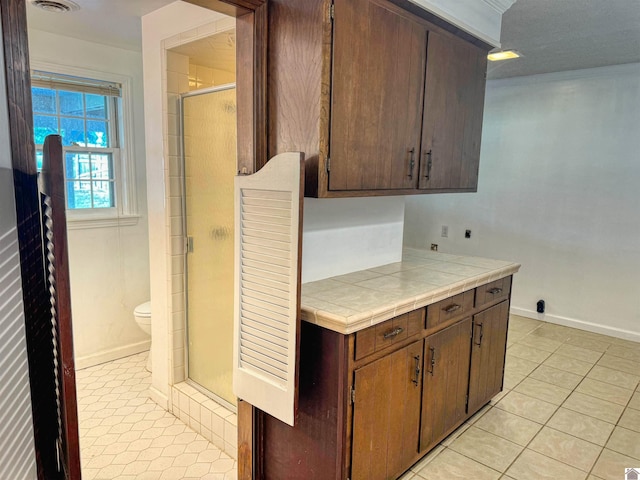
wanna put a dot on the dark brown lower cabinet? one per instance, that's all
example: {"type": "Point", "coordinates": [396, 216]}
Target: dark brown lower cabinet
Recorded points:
{"type": "Point", "coordinates": [386, 414]}
{"type": "Point", "coordinates": [446, 379]}
{"type": "Point", "coordinates": [373, 402]}
{"type": "Point", "coordinates": [487, 354]}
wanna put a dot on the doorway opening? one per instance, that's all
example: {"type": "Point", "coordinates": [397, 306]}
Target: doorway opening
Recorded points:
{"type": "Point", "coordinates": [208, 141]}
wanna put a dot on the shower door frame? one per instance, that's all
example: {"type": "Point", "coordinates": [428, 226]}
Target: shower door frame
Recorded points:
{"type": "Point", "coordinates": [195, 93]}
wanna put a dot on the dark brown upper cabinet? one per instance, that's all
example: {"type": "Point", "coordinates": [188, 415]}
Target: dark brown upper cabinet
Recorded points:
{"type": "Point", "coordinates": [381, 101]}
{"type": "Point", "coordinates": [376, 99]}
{"type": "Point", "coordinates": [453, 105]}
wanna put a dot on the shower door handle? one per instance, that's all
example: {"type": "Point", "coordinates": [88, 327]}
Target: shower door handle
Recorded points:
{"type": "Point", "coordinates": [189, 244]}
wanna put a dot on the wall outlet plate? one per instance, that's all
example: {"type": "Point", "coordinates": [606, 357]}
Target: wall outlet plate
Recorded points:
{"type": "Point", "coordinates": [445, 231]}
{"type": "Point", "coordinates": [434, 247]}
{"type": "Point", "coordinates": [467, 234]}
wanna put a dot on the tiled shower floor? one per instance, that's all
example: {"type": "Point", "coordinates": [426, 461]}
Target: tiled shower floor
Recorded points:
{"type": "Point", "coordinates": [124, 435]}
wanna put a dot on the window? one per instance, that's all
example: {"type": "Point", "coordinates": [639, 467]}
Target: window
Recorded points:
{"type": "Point", "coordinates": [86, 114]}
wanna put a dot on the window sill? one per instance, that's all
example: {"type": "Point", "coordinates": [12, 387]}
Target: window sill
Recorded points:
{"type": "Point", "coordinates": [82, 222]}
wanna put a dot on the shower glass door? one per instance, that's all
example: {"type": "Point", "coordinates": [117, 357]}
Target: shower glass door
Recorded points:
{"type": "Point", "coordinates": [209, 146]}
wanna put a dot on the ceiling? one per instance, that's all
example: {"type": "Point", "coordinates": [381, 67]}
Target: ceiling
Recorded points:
{"type": "Point", "coordinates": [553, 35]}
{"type": "Point", "coordinates": [217, 51]}
{"type": "Point", "coordinates": [110, 22]}
{"type": "Point", "coordinates": [557, 35]}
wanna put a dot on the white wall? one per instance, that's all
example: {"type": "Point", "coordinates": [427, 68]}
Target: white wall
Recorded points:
{"type": "Point", "coordinates": [109, 266]}
{"type": "Point", "coordinates": [558, 192]}
{"type": "Point", "coordinates": [17, 449]}
{"type": "Point", "coordinates": [344, 235]}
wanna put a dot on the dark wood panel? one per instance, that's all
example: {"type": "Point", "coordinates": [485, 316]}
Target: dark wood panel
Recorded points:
{"type": "Point", "coordinates": [494, 291]}
{"type": "Point", "coordinates": [389, 333]}
{"type": "Point", "coordinates": [375, 116]}
{"type": "Point", "coordinates": [34, 291]}
{"type": "Point", "coordinates": [245, 440]}
{"type": "Point", "coordinates": [314, 448]}
{"type": "Point", "coordinates": [473, 128]}
{"type": "Point", "coordinates": [446, 373]}
{"type": "Point", "coordinates": [487, 355]}
{"type": "Point", "coordinates": [406, 394]}
{"type": "Point", "coordinates": [454, 307]}
{"type": "Point", "coordinates": [386, 414]}
{"type": "Point", "coordinates": [294, 66]}
{"type": "Point", "coordinates": [453, 106]}
{"type": "Point", "coordinates": [52, 190]}
{"type": "Point", "coordinates": [245, 59]}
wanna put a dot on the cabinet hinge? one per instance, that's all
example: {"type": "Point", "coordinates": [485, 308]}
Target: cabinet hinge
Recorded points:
{"type": "Point", "coordinates": [328, 164]}
{"type": "Point", "coordinates": [332, 11]}
{"type": "Point", "coordinates": [353, 395]}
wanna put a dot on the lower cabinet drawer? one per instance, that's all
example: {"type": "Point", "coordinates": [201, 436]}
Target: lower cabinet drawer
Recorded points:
{"type": "Point", "coordinates": [453, 307]}
{"type": "Point", "coordinates": [385, 334]}
{"type": "Point", "coordinates": [497, 290]}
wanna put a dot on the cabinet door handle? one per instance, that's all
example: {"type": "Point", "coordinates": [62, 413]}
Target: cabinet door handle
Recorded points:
{"type": "Point", "coordinates": [428, 157]}
{"type": "Point", "coordinates": [412, 162]}
{"type": "Point", "coordinates": [416, 371]}
{"type": "Point", "coordinates": [432, 363]}
{"type": "Point", "coordinates": [479, 342]}
{"type": "Point", "coordinates": [393, 333]}
{"type": "Point", "coordinates": [451, 308]}
{"type": "Point", "coordinates": [495, 290]}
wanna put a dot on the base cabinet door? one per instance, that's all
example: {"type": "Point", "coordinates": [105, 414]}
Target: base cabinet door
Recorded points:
{"type": "Point", "coordinates": [386, 414]}
{"type": "Point", "coordinates": [446, 376]}
{"type": "Point", "coordinates": [488, 350]}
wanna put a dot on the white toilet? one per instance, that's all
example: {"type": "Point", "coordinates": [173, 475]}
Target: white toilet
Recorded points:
{"type": "Point", "coordinates": [142, 314]}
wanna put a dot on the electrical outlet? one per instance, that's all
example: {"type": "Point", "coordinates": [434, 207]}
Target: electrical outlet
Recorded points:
{"type": "Point", "coordinates": [467, 234]}
{"type": "Point", "coordinates": [434, 247]}
{"type": "Point", "coordinates": [445, 231]}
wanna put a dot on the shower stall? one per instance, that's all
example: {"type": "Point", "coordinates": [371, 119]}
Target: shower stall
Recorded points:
{"type": "Point", "coordinates": [208, 119]}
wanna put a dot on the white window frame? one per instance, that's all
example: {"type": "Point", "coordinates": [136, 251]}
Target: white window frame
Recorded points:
{"type": "Point", "coordinates": [125, 211]}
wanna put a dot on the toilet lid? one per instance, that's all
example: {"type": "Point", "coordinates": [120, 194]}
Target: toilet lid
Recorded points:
{"type": "Point", "coordinates": [143, 310]}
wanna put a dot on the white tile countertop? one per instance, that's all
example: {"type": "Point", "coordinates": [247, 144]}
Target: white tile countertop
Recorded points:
{"type": "Point", "coordinates": [348, 303]}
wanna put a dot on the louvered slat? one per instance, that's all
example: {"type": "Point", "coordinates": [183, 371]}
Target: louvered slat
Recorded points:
{"type": "Point", "coordinates": [267, 277]}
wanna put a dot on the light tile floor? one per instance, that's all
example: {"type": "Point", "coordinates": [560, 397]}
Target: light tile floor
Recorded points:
{"type": "Point", "coordinates": [124, 435]}
{"type": "Point", "coordinates": [570, 410]}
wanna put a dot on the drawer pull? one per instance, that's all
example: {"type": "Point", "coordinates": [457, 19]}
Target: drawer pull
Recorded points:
{"type": "Point", "coordinates": [432, 363]}
{"type": "Point", "coordinates": [416, 372]}
{"type": "Point", "coordinates": [393, 333]}
{"type": "Point", "coordinates": [451, 308]}
{"type": "Point", "coordinates": [479, 342]}
{"type": "Point", "coordinates": [495, 291]}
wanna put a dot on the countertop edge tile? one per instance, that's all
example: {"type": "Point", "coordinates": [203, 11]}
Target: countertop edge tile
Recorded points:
{"type": "Point", "coordinates": [363, 319]}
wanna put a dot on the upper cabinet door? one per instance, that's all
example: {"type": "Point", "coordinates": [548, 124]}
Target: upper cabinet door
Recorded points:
{"type": "Point", "coordinates": [453, 106]}
{"type": "Point", "coordinates": [377, 96]}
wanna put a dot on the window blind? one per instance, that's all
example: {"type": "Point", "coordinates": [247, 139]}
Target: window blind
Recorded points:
{"type": "Point", "coordinates": [57, 81]}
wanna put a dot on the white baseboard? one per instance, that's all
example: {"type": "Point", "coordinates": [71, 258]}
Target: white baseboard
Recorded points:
{"type": "Point", "coordinates": [110, 355]}
{"type": "Point", "coordinates": [159, 397]}
{"type": "Point", "coordinates": [581, 324]}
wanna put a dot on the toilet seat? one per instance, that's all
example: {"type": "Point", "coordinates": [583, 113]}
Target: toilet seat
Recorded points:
{"type": "Point", "coordinates": [143, 310]}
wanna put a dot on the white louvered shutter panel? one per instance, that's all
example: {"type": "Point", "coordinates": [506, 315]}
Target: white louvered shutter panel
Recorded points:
{"type": "Point", "coordinates": [268, 222]}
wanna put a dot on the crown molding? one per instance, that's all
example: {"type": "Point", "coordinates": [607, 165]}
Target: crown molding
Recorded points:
{"type": "Point", "coordinates": [499, 6]}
